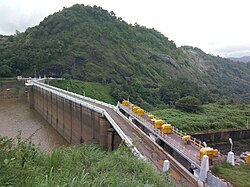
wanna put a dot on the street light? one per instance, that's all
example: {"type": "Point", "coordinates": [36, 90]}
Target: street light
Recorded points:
{"type": "Point", "coordinates": [230, 155]}
{"type": "Point", "coordinates": [231, 142]}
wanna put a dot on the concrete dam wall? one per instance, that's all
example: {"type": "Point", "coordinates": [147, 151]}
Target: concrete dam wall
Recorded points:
{"type": "Point", "coordinates": [76, 123]}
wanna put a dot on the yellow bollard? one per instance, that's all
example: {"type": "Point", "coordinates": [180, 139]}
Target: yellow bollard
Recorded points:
{"type": "Point", "coordinates": [135, 108]}
{"type": "Point", "coordinates": [206, 151]}
{"type": "Point", "coordinates": [248, 159]}
{"type": "Point", "coordinates": [140, 112]}
{"type": "Point", "coordinates": [158, 124]}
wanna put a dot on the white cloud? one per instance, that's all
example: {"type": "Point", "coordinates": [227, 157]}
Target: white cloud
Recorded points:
{"type": "Point", "coordinates": [207, 24]}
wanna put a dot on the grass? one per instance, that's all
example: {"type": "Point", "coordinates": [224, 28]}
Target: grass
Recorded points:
{"type": "Point", "coordinates": [23, 164]}
{"type": "Point", "coordinates": [214, 117]}
{"type": "Point", "coordinates": [237, 175]}
{"type": "Point", "coordinates": [91, 89]}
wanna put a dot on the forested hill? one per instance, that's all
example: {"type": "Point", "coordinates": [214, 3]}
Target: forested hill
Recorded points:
{"type": "Point", "coordinates": [92, 44]}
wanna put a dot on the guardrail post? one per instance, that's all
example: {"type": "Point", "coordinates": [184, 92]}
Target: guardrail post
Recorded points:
{"type": "Point", "coordinates": [166, 165]}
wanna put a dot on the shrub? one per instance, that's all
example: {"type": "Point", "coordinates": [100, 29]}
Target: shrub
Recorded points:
{"type": "Point", "coordinates": [189, 104]}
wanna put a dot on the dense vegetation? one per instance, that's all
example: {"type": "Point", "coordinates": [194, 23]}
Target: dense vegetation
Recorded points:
{"type": "Point", "coordinates": [214, 117]}
{"type": "Point", "coordinates": [189, 104]}
{"type": "Point", "coordinates": [94, 45]}
{"type": "Point", "coordinates": [23, 164]}
{"type": "Point", "coordinates": [237, 175]}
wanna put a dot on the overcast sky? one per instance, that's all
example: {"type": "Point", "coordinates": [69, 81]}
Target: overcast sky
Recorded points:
{"type": "Point", "coordinates": [219, 27]}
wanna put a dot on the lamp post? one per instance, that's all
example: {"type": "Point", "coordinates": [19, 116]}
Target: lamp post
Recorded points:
{"type": "Point", "coordinates": [230, 155]}
{"type": "Point", "coordinates": [231, 142]}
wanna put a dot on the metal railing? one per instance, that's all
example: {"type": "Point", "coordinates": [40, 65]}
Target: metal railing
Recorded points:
{"type": "Point", "coordinates": [196, 142]}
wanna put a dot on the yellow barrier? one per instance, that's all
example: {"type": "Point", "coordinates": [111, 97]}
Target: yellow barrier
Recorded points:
{"type": "Point", "coordinates": [186, 138]}
{"type": "Point", "coordinates": [125, 102]}
{"type": "Point", "coordinates": [140, 112]}
{"type": "Point", "coordinates": [206, 151]}
{"type": "Point", "coordinates": [215, 152]}
{"type": "Point", "coordinates": [166, 128]}
{"type": "Point", "coordinates": [158, 123]}
{"type": "Point", "coordinates": [135, 108]}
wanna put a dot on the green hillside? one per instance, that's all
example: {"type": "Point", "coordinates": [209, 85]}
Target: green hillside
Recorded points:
{"type": "Point", "coordinates": [93, 45]}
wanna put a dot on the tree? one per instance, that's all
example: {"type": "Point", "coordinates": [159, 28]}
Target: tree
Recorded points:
{"type": "Point", "coordinates": [5, 71]}
{"type": "Point", "coordinates": [112, 14]}
{"type": "Point", "coordinates": [189, 104]}
{"type": "Point", "coordinates": [17, 33]}
{"type": "Point", "coordinates": [175, 89]}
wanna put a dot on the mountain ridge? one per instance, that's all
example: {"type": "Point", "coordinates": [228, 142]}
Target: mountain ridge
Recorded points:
{"type": "Point", "coordinates": [245, 59]}
{"type": "Point", "coordinates": [92, 44]}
